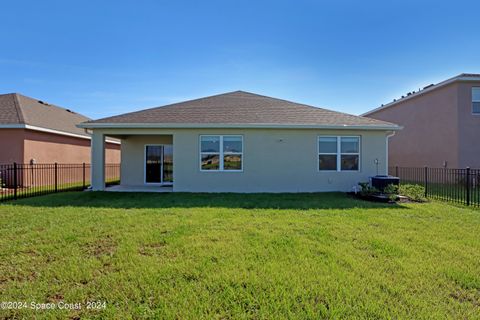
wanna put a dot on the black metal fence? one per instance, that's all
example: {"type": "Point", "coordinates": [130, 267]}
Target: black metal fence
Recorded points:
{"type": "Point", "coordinates": [454, 185]}
{"type": "Point", "coordinates": [27, 180]}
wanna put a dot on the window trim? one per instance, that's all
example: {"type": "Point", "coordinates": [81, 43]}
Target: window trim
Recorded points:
{"type": "Point", "coordinates": [471, 91]}
{"type": "Point", "coordinates": [221, 154]}
{"type": "Point", "coordinates": [339, 153]}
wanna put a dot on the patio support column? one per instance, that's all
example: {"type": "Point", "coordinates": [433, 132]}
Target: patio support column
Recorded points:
{"type": "Point", "coordinates": [98, 161]}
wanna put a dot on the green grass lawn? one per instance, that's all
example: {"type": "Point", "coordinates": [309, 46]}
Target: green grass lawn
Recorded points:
{"type": "Point", "coordinates": [194, 256]}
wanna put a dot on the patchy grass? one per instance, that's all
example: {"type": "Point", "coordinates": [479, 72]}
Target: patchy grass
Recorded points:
{"type": "Point", "coordinates": [192, 256]}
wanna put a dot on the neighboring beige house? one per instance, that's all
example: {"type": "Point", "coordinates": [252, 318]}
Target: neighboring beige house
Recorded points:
{"type": "Point", "coordinates": [441, 125]}
{"type": "Point", "coordinates": [33, 131]}
{"type": "Point", "coordinates": [241, 142]}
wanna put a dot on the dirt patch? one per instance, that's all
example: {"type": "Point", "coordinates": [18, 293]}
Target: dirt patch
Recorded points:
{"type": "Point", "coordinates": [102, 247]}
{"type": "Point", "coordinates": [30, 252]}
{"type": "Point", "coordinates": [470, 296]}
{"type": "Point", "coordinates": [25, 277]}
{"type": "Point", "coordinates": [57, 297]}
{"type": "Point", "coordinates": [152, 249]}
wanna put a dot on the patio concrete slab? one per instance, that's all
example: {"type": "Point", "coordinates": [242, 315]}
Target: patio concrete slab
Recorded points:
{"type": "Point", "coordinates": [123, 188]}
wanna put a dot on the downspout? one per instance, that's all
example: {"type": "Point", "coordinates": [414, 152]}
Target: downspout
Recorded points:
{"type": "Point", "coordinates": [389, 135]}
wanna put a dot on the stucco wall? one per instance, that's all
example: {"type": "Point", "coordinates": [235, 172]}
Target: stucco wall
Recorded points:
{"type": "Point", "coordinates": [50, 148]}
{"type": "Point", "coordinates": [20, 145]}
{"type": "Point", "coordinates": [430, 135]}
{"type": "Point", "coordinates": [11, 145]}
{"type": "Point", "coordinates": [469, 127]}
{"type": "Point", "coordinates": [274, 160]}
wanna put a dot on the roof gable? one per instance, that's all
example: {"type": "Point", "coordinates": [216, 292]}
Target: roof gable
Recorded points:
{"type": "Point", "coordinates": [238, 108]}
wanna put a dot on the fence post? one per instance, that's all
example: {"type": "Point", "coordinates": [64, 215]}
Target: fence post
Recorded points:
{"type": "Point", "coordinates": [467, 172]}
{"type": "Point", "coordinates": [396, 171]}
{"type": "Point", "coordinates": [15, 181]}
{"type": "Point", "coordinates": [83, 185]}
{"type": "Point", "coordinates": [56, 177]}
{"type": "Point", "coordinates": [426, 181]}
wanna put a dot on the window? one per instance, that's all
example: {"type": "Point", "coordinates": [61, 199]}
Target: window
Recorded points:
{"type": "Point", "coordinates": [476, 100]}
{"type": "Point", "coordinates": [350, 153]}
{"type": "Point", "coordinates": [328, 150]}
{"type": "Point", "coordinates": [338, 153]}
{"type": "Point", "coordinates": [221, 153]}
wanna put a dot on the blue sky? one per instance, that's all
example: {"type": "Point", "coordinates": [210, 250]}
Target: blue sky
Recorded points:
{"type": "Point", "coordinates": [102, 58]}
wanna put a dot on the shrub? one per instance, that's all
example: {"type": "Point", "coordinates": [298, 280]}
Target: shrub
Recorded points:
{"type": "Point", "coordinates": [367, 190]}
{"type": "Point", "coordinates": [413, 191]}
{"type": "Point", "coordinates": [391, 191]}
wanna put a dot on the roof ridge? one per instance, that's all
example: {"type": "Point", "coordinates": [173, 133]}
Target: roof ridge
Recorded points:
{"type": "Point", "coordinates": [18, 107]}
{"type": "Point", "coordinates": [171, 104]}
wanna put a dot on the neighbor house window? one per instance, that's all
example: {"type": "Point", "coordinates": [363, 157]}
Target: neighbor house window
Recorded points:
{"type": "Point", "coordinates": [221, 153]}
{"type": "Point", "coordinates": [338, 153]}
{"type": "Point", "coordinates": [476, 100]}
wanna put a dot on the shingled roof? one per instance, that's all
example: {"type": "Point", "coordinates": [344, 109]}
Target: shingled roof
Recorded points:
{"type": "Point", "coordinates": [17, 109]}
{"type": "Point", "coordinates": [240, 109]}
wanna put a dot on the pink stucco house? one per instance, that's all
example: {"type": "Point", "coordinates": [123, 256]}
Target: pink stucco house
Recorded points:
{"type": "Point", "coordinates": [441, 125]}
{"type": "Point", "coordinates": [32, 130]}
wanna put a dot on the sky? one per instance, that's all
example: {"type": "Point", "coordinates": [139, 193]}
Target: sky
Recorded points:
{"type": "Point", "coordinates": [102, 58]}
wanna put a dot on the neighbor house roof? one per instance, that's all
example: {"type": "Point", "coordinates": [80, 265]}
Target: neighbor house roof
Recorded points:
{"type": "Point", "coordinates": [20, 112]}
{"type": "Point", "coordinates": [460, 78]}
{"type": "Point", "coordinates": [238, 109]}
{"type": "Point", "coordinates": [17, 109]}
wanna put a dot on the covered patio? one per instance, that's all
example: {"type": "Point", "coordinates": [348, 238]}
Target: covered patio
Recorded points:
{"type": "Point", "coordinates": [146, 161]}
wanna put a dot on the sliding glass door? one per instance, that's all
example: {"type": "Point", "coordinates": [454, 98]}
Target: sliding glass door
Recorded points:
{"type": "Point", "coordinates": [159, 164]}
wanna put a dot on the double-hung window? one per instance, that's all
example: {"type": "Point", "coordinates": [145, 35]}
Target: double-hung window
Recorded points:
{"type": "Point", "coordinates": [221, 153]}
{"type": "Point", "coordinates": [338, 153]}
{"type": "Point", "coordinates": [476, 100]}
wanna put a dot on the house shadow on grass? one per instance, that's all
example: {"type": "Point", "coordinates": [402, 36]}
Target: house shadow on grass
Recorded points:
{"type": "Point", "coordinates": [301, 201]}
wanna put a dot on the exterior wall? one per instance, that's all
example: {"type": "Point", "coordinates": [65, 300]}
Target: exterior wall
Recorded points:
{"type": "Point", "coordinates": [274, 160]}
{"type": "Point", "coordinates": [11, 145]}
{"type": "Point", "coordinates": [49, 148]}
{"type": "Point", "coordinates": [112, 152]}
{"type": "Point", "coordinates": [20, 145]}
{"type": "Point", "coordinates": [430, 136]}
{"type": "Point", "coordinates": [132, 166]}
{"type": "Point", "coordinates": [469, 127]}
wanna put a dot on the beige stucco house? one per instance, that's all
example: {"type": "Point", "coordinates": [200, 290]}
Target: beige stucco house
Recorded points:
{"type": "Point", "coordinates": [441, 125]}
{"type": "Point", "coordinates": [241, 142]}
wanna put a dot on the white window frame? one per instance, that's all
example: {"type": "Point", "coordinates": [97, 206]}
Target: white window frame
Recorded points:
{"type": "Point", "coordinates": [339, 153]}
{"type": "Point", "coordinates": [475, 113]}
{"type": "Point", "coordinates": [221, 152]}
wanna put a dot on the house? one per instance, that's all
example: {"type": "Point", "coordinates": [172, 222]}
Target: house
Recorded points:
{"type": "Point", "coordinates": [441, 125]}
{"type": "Point", "coordinates": [33, 131]}
{"type": "Point", "coordinates": [242, 142]}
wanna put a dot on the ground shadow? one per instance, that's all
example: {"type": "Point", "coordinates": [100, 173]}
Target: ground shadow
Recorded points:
{"type": "Point", "coordinates": [303, 201]}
